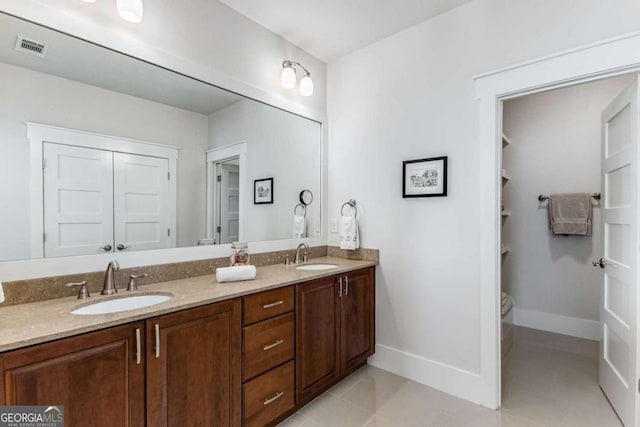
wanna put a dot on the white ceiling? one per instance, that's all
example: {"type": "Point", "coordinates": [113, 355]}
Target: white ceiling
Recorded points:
{"type": "Point", "coordinates": [75, 59]}
{"type": "Point", "coordinates": [329, 29]}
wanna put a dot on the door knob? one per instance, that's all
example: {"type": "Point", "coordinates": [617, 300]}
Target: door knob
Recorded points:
{"type": "Point", "coordinates": [600, 263]}
{"type": "Point", "coordinates": [106, 248]}
{"type": "Point", "coordinates": [121, 247]}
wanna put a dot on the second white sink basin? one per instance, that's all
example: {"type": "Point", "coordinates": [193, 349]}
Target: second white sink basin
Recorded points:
{"type": "Point", "coordinates": [314, 267]}
{"type": "Point", "coordinates": [130, 302]}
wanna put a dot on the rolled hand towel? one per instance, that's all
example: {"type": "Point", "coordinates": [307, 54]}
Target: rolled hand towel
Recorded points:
{"type": "Point", "coordinates": [235, 274]}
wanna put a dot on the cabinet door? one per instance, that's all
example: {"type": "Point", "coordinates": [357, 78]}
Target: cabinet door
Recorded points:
{"type": "Point", "coordinates": [193, 367]}
{"type": "Point", "coordinates": [97, 377]}
{"type": "Point", "coordinates": [317, 336]}
{"type": "Point", "coordinates": [357, 318]}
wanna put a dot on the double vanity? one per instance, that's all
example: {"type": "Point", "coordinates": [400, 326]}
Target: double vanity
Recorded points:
{"type": "Point", "coordinates": [205, 353]}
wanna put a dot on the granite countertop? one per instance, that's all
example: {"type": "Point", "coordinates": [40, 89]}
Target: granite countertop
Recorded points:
{"type": "Point", "coordinates": [33, 323]}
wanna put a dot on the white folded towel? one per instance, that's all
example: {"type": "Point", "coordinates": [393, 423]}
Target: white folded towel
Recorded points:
{"type": "Point", "coordinates": [349, 236]}
{"type": "Point", "coordinates": [299, 226]}
{"type": "Point", "coordinates": [235, 274]}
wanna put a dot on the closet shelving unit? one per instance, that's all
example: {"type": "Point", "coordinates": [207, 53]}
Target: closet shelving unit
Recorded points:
{"type": "Point", "coordinates": [506, 328]}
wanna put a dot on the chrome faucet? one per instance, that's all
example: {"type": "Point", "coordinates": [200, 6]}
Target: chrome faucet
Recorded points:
{"type": "Point", "coordinates": [109, 287]}
{"type": "Point", "coordinates": [306, 252]}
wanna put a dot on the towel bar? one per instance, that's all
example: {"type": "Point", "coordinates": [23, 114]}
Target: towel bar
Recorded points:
{"type": "Point", "coordinates": [542, 197]}
{"type": "Point", "coordinates": [351, 203]}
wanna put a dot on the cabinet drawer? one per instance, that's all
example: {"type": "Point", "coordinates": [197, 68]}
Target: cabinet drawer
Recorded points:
{"type": "Point", "coordinates": [267, 344]}
{"type": "Point", "coordinates": [268, 396]}
{"type": "Point", "coordinates": [267, 304]}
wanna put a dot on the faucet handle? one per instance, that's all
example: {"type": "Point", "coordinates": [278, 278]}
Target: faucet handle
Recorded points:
{"type": "Point", "coordinates": [83, 292]}
{"type": "Point", "coordinates": [133, 286]}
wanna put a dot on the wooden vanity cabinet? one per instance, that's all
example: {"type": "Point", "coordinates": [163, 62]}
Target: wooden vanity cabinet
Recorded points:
{"type": "Point", "coordinates": [98, 377]}
{"type": "Point", "coordinates": [268, 353]}
{"type": "Point", "coordinates": [194, 367]}
{"type": "Point", "coordinates": [187, 374]}
{"type": "Point", "coordinates": [335, 329]}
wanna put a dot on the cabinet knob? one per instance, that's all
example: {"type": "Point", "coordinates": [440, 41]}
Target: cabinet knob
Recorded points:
{"type": "Point", "coordinates": [122, 247]}
{"type": "Point", "coordinates": [107, 248]}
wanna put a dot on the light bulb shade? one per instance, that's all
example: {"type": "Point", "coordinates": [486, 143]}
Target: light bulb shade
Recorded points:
{"type": "Point", "coordinates": [306, 86]}
{"type": "Point", "coordinates": [288, 78]}
{"type": "Point", "coordinates": [130, 10]}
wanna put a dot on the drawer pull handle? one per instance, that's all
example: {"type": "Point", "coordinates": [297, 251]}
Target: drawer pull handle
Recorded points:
{"type": "Point", "coordinates": [273, 344]}
{"type": "Point", "coordinates": [273, 398]}
{"type": "Point", "coordinates": [273, 304]}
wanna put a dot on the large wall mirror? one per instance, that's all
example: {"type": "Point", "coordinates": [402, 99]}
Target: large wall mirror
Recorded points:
{"type": "Point", "coordinates": [101, 152]}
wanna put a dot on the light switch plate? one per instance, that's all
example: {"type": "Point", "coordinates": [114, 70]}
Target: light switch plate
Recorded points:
{"type": "Point", "coordinates": [334, 225]}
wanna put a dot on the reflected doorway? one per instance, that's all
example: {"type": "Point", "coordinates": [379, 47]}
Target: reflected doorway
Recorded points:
{"type": "Point", "coordinates": [227, 201]}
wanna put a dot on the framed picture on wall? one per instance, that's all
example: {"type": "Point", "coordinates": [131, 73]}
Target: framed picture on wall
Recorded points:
{"type": "Point", "coordinates": [424, 177]}
{"type": "Point", "coordinates": [263, 191]}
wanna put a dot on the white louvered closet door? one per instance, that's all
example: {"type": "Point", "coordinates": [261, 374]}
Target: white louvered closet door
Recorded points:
{"type": "Point", "coordinates": [618, 367]}
{"type": "Point", "coordinates": [78, 200]}
{"type": "Point", "coordinates": [141, 202]}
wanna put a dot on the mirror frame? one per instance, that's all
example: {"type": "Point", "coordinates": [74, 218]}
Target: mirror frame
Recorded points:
{"type": "Point", "coordinates": [45, 267]}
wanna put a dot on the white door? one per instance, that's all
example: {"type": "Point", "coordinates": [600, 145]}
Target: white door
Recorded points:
{"type": "Point", "coordinates": [619, 299]}
{"type": "Point", "coordinates": [141, 202]}
{"type": "Point", "coordinates": [229, 203]}
{"type": "Point", "coordinates": [78, 201]}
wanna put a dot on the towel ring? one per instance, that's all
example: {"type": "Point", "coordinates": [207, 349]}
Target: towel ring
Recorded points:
{"type": "Point", "coordinates": [304, 209]}
{"type": "Point", "coordinates": [351, 203]}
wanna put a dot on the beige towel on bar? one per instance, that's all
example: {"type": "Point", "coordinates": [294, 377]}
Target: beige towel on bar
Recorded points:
{"type": "Point", "coordinates": [570, 214]}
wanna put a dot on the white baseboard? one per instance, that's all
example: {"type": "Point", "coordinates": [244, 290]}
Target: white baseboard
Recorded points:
{"type": "Point", "coordinates": [573, 326]}
{"type": "Point", "coordinates": [448, 379]}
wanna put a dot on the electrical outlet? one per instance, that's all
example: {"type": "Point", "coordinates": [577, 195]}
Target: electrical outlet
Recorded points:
{"type": "Point", "coordinates": [334, 225]}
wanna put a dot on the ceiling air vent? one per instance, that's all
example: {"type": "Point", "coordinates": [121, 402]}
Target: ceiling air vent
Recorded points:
{"type": "Point", "coordinates": [31, 47]}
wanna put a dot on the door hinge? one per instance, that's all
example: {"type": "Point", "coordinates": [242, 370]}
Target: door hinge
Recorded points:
{"type": "Point", "coordinates": [168, 232]}
{"type": "Point", "coordinates": [169, 176]}
{"type": "Point", "coordinates": [218, 229]}
{"type": "Point", "coordinates": [43, 163]}
{"type": "Point", "coordinates": [219, 178]}
{"type": "Point", "coordinates": [638, 385]}
{"type": "Point", "coordinates": [44, 237]}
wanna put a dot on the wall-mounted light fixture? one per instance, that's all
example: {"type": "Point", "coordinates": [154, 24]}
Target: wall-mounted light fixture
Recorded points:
{"type": "Point", "coordinates": [129, 10]}
{"type": "Point", "coordinates": [288, 78]}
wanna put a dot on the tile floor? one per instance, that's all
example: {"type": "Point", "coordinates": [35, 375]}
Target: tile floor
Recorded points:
{"type": "Point", "coordinates": [548, 380]}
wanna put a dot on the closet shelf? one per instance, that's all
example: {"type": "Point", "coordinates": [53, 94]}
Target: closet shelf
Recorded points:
{"type": "Point", "coordinates": [505, 249]}
{"type": "Point", "coordinates": [505, 213]}
{"type": "Point", "coordinates": [505, 175]}
{"type": "Point", "coordinates": [505, 141]}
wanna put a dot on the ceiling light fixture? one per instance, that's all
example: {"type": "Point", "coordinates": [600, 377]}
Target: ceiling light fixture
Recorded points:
{"type": "Point", "coordinates": [129, 10]}
{"type": "Point", "coordinates": [288, 78]}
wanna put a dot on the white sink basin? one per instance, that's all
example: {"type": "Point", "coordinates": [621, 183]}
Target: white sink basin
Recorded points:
{"type": "Point", "coordinates": [130, 302]}
{"type": "Point", "coordinates": [315, 267]}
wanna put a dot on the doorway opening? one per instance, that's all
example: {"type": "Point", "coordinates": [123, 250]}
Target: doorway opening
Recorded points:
{"type": "Point", "coordinates": [566, 323]}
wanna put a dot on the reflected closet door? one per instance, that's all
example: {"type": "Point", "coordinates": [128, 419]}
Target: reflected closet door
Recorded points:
{"type": "Point", "coordinates": [141, 202]}
{"type": "Point", "coordinates": [78, 201]}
